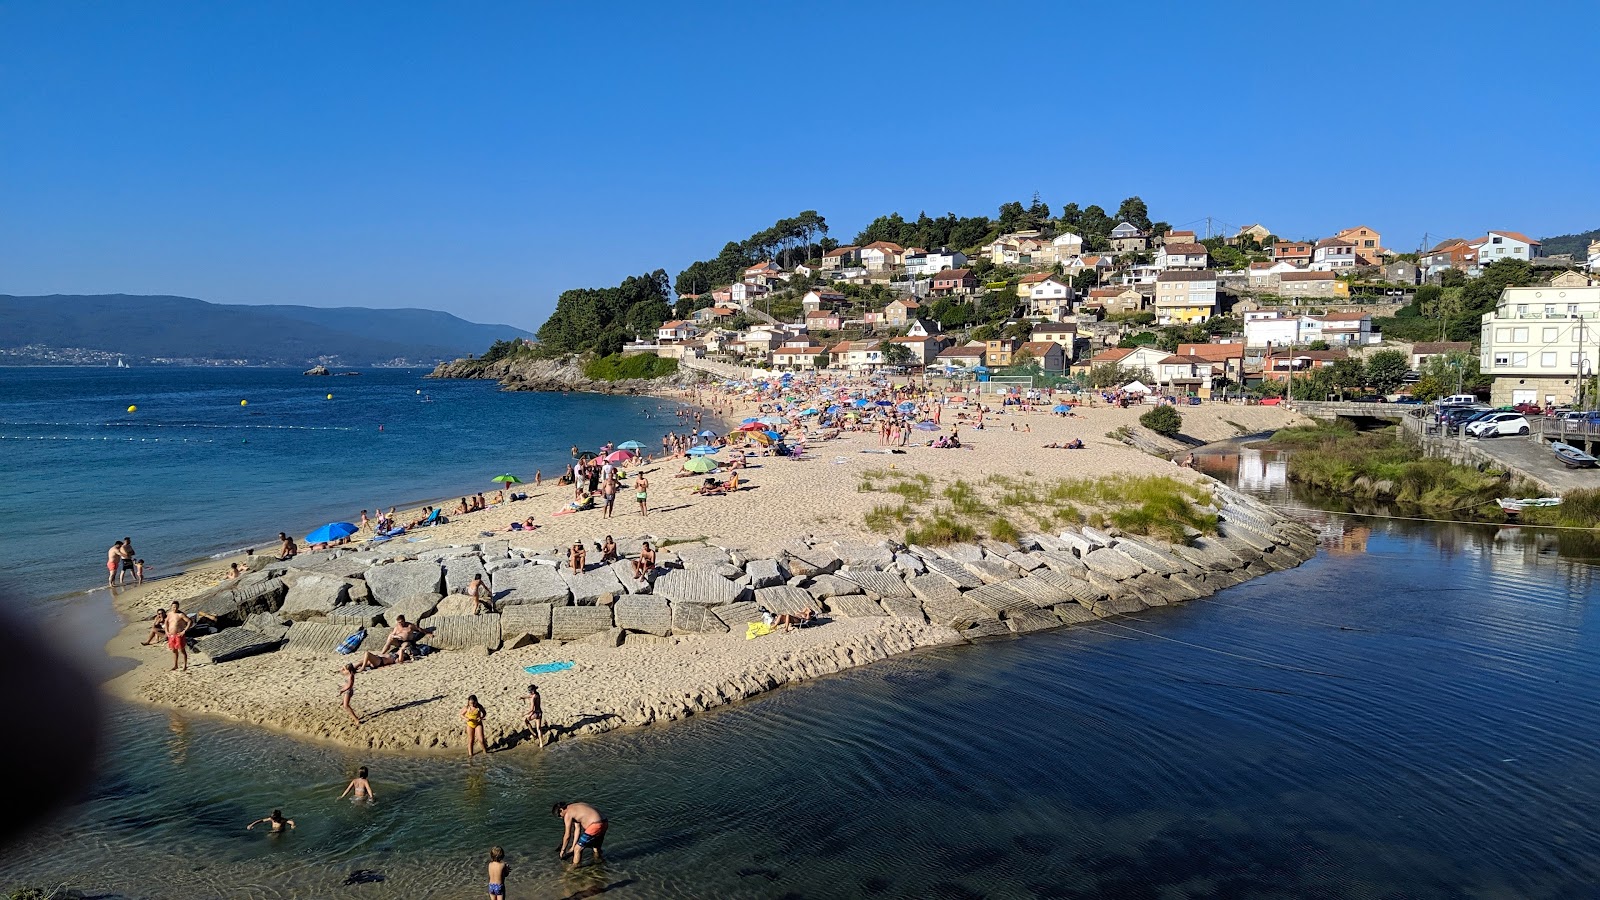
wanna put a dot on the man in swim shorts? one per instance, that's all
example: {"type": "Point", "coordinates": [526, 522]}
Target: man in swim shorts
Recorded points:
{"type": "Point", "coordinates": [177, 627]}
{"type": "Point", "coordinates": [585, 824]}
{"type": "Point", "coordinates": [114, 564]}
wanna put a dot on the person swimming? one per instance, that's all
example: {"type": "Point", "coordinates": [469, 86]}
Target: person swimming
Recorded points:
{"type": "Point", "coordinates": [276, 820]}
{"type": "Point", "coordinates": [360, 785]}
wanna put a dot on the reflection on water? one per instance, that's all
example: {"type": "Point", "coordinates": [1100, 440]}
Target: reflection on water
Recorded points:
{"type": "Point", "coordinates": [1411, 716]}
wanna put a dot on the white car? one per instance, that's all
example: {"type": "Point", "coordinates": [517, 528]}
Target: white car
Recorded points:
{"type": "Point", "coordinates": [1498, 424]}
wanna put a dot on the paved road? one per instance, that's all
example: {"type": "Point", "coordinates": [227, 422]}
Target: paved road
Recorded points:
{"type": "Point", "coordinates": [1535, 457]}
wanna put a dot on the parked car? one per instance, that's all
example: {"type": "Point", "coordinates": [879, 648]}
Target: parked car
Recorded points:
{"type": "Point", "coordinates": [1407, 399]}
{"type": "Point", "coordinates": [1528, 409]}
{"type": "Point", "coordinates": [1498, 423]}
{"type": "Point", "coordinates": [1579, 416]}
{"type": "Point", "coordinates": [1459, 400]}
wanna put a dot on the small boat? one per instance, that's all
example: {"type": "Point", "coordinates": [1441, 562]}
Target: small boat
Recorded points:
{"type": "Point", "coordinates": [1572, 457]}
{"type": "Point", "coordinates": [1514, 507]}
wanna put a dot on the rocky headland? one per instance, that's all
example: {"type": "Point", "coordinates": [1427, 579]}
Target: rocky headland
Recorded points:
{"type": "Point", "coordinates": [566, 373]}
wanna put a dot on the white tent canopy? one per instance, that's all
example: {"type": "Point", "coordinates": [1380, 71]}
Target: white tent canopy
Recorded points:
{"type": "Point", "coordinates": [1135, 387]}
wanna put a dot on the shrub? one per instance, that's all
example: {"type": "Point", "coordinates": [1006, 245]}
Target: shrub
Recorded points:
{"type": "Point", "coordinates": [1163, 420]}
{"type": "Point", "coordinates": [617, 367]}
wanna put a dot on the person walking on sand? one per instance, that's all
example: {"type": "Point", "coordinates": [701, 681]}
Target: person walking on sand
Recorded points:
{"type": "Point", "coordinates": [359, 784]}
{"type": "Point", "coordinates": [474, 714]}
{"type": "Point", "coordinates": [276, 820]}
{"type": "Point", "coordinates": [641, 492]}
{"type": "Point", "coordinates": [347, 691]}
{"type": "Point", "coordinates": [177, 627]}
{"type": "Point", "coordinates": [587, 827]}
{"type": "Point", "coordinates": [497, 873]}
{"type": "Point", "coordinates": [535, 716]}
{"type": "Point", "coordinates": [482, 599]}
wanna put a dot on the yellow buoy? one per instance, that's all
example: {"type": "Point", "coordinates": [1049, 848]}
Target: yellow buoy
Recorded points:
{"type": "Point", "coordinates": [244, 402]}
{"type": "Point", "coordinates": [133, 409]}
{"type": "Point", "coordinates": [329, 397]}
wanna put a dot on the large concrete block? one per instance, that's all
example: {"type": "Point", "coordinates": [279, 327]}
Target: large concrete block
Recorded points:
{"type": "Point", "coordinates": [340, 567]}
{"type": "Point", "coordinates": [1112, 564]}
{"type": "Point", "coordinates": [877, 585]}
{"type": "Point", "coordinates": [525, 618]}
{"type": "Point", "coordinates": [1157, 561]}
{"type": "Point", "coordinates": [1033, 620]}
{"type": "Point", "coordinates": [1074, 614]}
{"type": "Point", "coordinates": [766, 573]}
{"type": "Point", "coordinates": [463, 632]}
{"type": "Point", "coordinates": [317, 638]}
{"type": "Point", "coordinates": [954, 572]}
{"type": "Point", "coordinates": [1038, 591]}
{"type": "Point", "coordinates": [397, 581]}
{"type": "Point", "coordinates": [956, 612]}
{"type": "Point", "coordinates": [1080, 589]}
{"type": "Point", "coordinates": [733, 615]}
{"type": "Point", "coordinates": [233, 643]}
{"type": "Point", "coordinates": [811, 561]}
{"type": "Point", "coordinates": [858, 554]}
{"type": "Point", "coordinates": [932, 587]}
{"type": "Point", "coordinates": [998, 600]}
{"type": "Point", "coordinates": [855, 606]}
{"type": "Point", "coordinates": [698, 586]}
{"type": "Point", "coordinates": [647, 614]}
{"type": "Point", "coordinates": [623, 570]}
{"type": "Point", "coordinates": [315, 595]}
{"type": "Point", "coordinates": [824, 586]}
{"type": "Point", "coordinates": [356, 615]}
{"type": "Point", "coordinates": [588, 587]}
{"type": "Point", "coordinates": [910, 610]}
{"type": "Point", "coordinates": [909, 564]}
{"type": "Point", "coordinates": [1063, 561]}
{"type": "Point", "coordinates": [1077, 544]}
{"type": "Point", "coordinates": [984, 628]}
{"type": "Point", "coordinates": [997, 548]}
{"type": "Point", "coordinates": [785, 599]}
{"type": "Point", "coordinates": [692, 618]}
{"type": "Point", "coordinates": [991, 570]}
{"type": "Point", "coordinates": [232, 605]}
{"type": "Point", "coordinates": [701, 556]}
{"type": "Point", "coordinates": [458, 572]}
{"type": "Point", "coordinates": [529, 584]}
{"type": "Point", "coordinates": [569, 623]}
{"type": "Point", "coordinates": [961, 553]}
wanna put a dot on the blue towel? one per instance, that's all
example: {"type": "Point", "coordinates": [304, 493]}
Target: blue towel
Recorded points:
{"type": "Point", "coordinates": [547, 668]}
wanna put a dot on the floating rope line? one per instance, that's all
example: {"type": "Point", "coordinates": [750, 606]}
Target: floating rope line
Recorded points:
{"type": "Point", "coordinates": [120, 440]}
{"type": "Point", "coordinates": [176, 425]}
{"type": "Point", "coordinates": [1327, 512]}
{"type": "Point", "coordinates": [1251, 659]}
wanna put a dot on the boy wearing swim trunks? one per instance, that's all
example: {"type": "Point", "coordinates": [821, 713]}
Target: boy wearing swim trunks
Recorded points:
{"type": "Point", "coordinates": [497, 873]}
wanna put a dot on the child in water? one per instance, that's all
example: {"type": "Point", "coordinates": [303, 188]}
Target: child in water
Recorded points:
{"type": "Point", "coordinates": [359, 784]}
{"type": "Point", "coordinates": [276, 820]}
{"type": "Point", "coordinates": [497, 873]}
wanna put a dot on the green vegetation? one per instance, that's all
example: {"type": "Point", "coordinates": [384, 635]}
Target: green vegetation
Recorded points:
{"type": "Point", "coordinates": [788, 241]}
{"type": "Point", "coordinates": [1002, 506]}
{"type": "Point", "coordinates": [622, 368]}
{"type": "Point", "coordinates": [1453, 311]}
{"type": "Point", "coordinates": [1376, 465]}
{"type": "Point", "coordinates": [1163, 420]}
{"type": "Point", "coordinates": [1575, 244]}
{"type": "Point", "coordinates": [601, 320]}
{"type": "Point", "coordinates": [1580, 508]}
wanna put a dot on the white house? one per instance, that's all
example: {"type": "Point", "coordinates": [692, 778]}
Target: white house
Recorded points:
{"type": "Point", "coordinates": [1185, 296]}
{"type": "Point", "coordinates": [818, 298]}
{"type": "Point", "coordinates": [932, 262]}
{"type": "Point", "coordinates": [675, 330]}
{"type": "Point", "coordinates": [1333, 254]}
{"type": "Point", "coordinates": [1537, 340]}
{"type": "Point", "coordinates": [1340, 329]}
{"type": "Point", "coordinates": [1594, 256]}
{"type": "Point", "coordinates": [743, 293]}
{"type": "Point", "coordinates": [1049, 297]}
{"type": "Point", "coordinates": [1182, 255]}
{"type": "Point", "coordinates": [880, 255]}
{"type": "Point", "coordinates": [1263, 327]}
{"type": "Point", "coordinates": [1497, 245]}
{"type": "Point", "coordinates": [1067, 245]}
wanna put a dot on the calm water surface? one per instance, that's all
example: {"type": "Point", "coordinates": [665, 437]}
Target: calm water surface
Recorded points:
{"type": "Point", "coordinates": [1409, 715]}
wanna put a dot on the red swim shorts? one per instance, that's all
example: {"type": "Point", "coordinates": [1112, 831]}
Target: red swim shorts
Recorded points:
{"type": "Point", "coordinates": [175, 641]}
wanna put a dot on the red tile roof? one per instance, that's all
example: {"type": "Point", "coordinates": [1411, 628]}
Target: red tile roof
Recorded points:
{"type": "Point", "coordinates": [1186, 249]}
{"type": "Point", "coordinates": [1516, 235]}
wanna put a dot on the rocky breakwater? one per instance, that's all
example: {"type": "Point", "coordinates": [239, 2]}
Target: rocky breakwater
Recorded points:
{"type": "Point", "coordinates": [673, 642]}
{"type": "Point", "coordinates": [525, 373]}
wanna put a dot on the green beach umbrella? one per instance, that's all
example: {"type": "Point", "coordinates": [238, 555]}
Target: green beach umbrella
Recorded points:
{"type": "Point", "coordinates": [700, 465]}
{"type": "Point", "coordinates": [508, 479]}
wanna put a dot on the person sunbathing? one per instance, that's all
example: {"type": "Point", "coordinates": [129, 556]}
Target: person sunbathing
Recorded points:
{"type": "Point", "coordinates": [646, 562]}
{"type": "Point", "coordinates": [378, 661]}
{"type": "Point", "coordinates": [804, 619]}
{"type": "Point", "coordinates": [577, 557]}
{"type": "Point", "coordinates": [525, 525]}
{"type": "Point", "coordinates": [608, 550]}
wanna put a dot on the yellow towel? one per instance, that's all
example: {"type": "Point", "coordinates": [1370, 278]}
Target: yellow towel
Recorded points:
{"type": "Point", "coordinates": [756, 629]}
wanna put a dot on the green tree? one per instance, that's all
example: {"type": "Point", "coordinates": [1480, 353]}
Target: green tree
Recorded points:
{"type": "Point", "coordinates": [821, 360]}
{"type": "Point", "coordinates": [1108, 375]}
{"type": "Point", "coordinates": [1317, 345]}
{"type": "Point", "coordinates": [896, 354]}
{"type": "Point", "coordinates": [1346, 374]}
{"type": "Point", "coordinates": [1386, 369]}
{"type": "Point", "coordinates": [1163, 420]}
{"type": "Point", "coordinates": [1135, 213]}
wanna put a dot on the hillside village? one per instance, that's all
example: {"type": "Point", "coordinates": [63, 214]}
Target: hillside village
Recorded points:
{"type": "Point", "coordinates": [1191, 315]}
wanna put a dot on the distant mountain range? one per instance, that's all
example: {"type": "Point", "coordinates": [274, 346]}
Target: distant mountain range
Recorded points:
{"type": "Point", "coordinates": [91, 329]}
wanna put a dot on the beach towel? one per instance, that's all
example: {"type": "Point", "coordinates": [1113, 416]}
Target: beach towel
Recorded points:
{"type": "Point", "coordinates": [547, 668]}
{"type": "Point", "coordinates": [349, 644]}
{"type": "Point", "coordinates": [756, 629]}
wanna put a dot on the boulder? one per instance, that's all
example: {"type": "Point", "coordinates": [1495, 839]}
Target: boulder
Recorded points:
{"type": "Point", "coordinates": [877, 585]}
{"type": "Point", "coordinates": [317, 638]}
{"type": "Point", "coordinates": [456, 605]}
{"type": "Point", "coordinates": [234, 643]}
{"type": "Point", "coordinates": [463, 632]}
{"type": "Point", "coordinates": [692, 618]}
{"type": "Point", "coordinates": [697, 586]}
{"type": "Point", "coordinates": [458, 572]}
{"type": "Point", "coordinates": [272, 625]}
{"type": "Point", "coordinates": [812, 561]}
{"type": "Point", "coordinates": [528, 584]}
{"type": "Point", "coordinates": [589, 586]}
{"type": "Point", "coordinates": [766, 573]}
{"type": "Point", "coordinates": [824, 586]}
{"type": "Point", "coordinates": [356, 615]}
{"type": "Point", "coordinates": [623, 570]}
{"type": "Point", "coordinates": [647, 614]}
{"type": "Point", "coordinates": [606, 637]}
{"type": "Point", "coordinates": [569, 623]}
{"type": "Point", "coordinates": [397, 581]}
{"type": "Point", "coordinates": [954, 572]}
{"type": "Point", "coordinates": [313, 596]}
{"type": "Point", "coordinates": [415, 609]}
{"type": "Point", "coordinates": [785, 599]}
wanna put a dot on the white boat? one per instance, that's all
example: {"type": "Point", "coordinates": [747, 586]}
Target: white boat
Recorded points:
{"type": "Point", "coordinates": [1513, 507]}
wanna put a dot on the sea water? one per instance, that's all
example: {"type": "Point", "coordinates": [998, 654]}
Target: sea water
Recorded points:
{"type": "Point", "coordinates": [1409, 714]}
{"type": "Point", "coordinates": [216, 460]}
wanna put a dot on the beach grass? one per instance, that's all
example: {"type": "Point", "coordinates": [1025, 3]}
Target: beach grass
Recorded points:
{"type": "Point", "coordinates": [1377, 465]}
{"type": "Point", "coordinates": [1580, 508]}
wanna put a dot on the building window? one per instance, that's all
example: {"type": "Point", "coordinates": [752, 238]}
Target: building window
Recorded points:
{"type": "Point", "coordinates": [1547, 359]}
{"type": "Point", "coordinates": [1519, 360]}
{"type": "Point", "coordinates": [1503, 335]}
{"type": "Point", "coordinates": [1502, 359]}
{"type": "Point", "coordinates": [1519, 335]}
{"type": "Point", "coordinates": [1549, 335]}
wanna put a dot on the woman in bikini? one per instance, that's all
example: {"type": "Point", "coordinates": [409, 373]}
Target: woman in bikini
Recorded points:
{"type": "Point", "coordinates": [473, 714]}
{"type": "Point", "coordinates": [347, 691]}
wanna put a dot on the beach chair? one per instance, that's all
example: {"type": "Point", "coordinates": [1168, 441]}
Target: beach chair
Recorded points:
{"type": "Point", "coordinates": [434, 518]}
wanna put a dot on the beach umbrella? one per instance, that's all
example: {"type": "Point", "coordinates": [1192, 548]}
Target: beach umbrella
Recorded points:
{"type": "Point", "coordinates": [908, 405]}
{"type": "Point", "coordinates": [331, 532]}
{"type": "Point", "coordinates": [774, 420]}
{"type": "Point", "coordinates": [752, 425]}
{"type": "Point", "coordinates": [1061, 407]}
{"type": "Point", "coordinates": [507, 478]}
{"type": "Point", "coordinates": [700, 465]}
{"type": "Point", "coordinates": [760, 437]}
{"type": "Point", "coordinates": [630, 445]}
{"type": "Point", "coordinates": [773, 434]}
{"type": "Point", "coordinates": [587, 455]}
{"type": "Point", "coordinates": [982, 370]}
{"type": "Point", "coordinates": [702, 450]}
{"type": "Point", "coordinates": [926, 426]}
{"type": "Point", "coordinates": [708, 433]}
{"type": "Point", "coordinates": [749, 420]}
{"type": "Point", "coordinates": [863, 403]}
{"type": "Point", "coordinates": [809, 411]}
{"type": "Point", "coordinates": [885, 402]}
{"type": "Point", "coordinates": [619, 456]}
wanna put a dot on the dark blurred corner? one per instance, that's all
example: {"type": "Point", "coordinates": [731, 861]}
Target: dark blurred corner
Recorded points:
{"type": "Point", "coordinates": [51, 719]}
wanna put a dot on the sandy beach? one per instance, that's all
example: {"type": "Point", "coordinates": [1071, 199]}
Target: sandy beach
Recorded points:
{"type": "Point", "coordinates": [415, 707]}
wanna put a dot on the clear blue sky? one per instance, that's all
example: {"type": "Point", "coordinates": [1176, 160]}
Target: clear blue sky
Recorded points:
{"type": "Point", "coordinates": [481, 158]}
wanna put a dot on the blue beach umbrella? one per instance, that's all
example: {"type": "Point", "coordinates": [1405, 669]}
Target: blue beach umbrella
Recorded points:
{"type": "Point", "coordinates": [749, 420]}
{"type": "Point", "coordinates": [908, 405]}
{"type": "Point", "coordinates": [862, 404]}
{"type": "Point", "coordinates": [702, 450]}
{"type": "Point", "coordinates": [809, 411]}
{"type": "Point", "coordinates": [708, 433]}
{"type": "Point", "coordinates": [1061, 407]}
{"type": "Point", "coordinates": [630, 445]}
{"type": "Point", "coordinates": [331, 532]}
{"type": "Point", "coordinates": [773, 434]}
